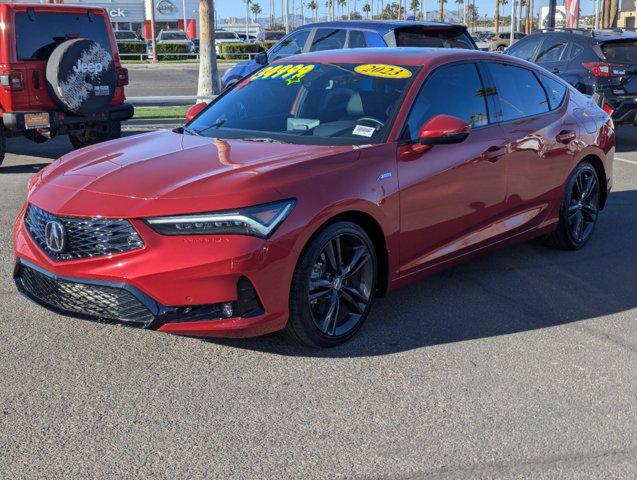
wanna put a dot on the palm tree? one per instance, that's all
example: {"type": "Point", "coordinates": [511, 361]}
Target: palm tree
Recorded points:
{"type": "Point", "coordinates": [208, 83]}
{"type": "Point", "coordinates": [314, 7]}
{"type": "Point", "coordinates": [497, 13]}
{"type": "Point", "coordinates": [341, 4]}
{"type": "Point", "coordinates": [414, 7]}
{"type": "Point", "coordinates": [256, 10]}
{"type": "Point", "coordinates": [442, 9]}
{"type": "Point", "coordinates": [366, 10]}
{"type": "Point", "coordinates": [464, 10]}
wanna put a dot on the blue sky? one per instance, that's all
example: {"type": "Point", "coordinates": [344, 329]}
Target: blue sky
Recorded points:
{"type": "Point", "coordinates": [226, 8]}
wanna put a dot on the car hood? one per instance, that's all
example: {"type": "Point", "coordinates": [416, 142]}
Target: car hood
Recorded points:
{"type": "Point", "coordinates": [167, 173]}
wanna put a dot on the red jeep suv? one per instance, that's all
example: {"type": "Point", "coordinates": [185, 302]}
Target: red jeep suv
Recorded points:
{"type": "Point", "coordinates": [60, 73]}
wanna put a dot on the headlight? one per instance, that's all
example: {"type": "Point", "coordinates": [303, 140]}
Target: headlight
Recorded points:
{"type": "Point", "coordinates": [259, 221]}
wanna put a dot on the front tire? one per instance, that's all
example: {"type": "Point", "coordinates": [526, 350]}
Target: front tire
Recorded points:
{"type": "Point", "coordinates": [579, 210]}
{"type": "Point", "coordinates": [333, 286]}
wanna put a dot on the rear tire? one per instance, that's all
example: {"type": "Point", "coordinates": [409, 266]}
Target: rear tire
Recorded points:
{"type": "Point", "coordinates": [87, 137]}
{"type": "Point", "coordinates": [333, 286]}
{"type": "Point", "coordinates": [579, 210]}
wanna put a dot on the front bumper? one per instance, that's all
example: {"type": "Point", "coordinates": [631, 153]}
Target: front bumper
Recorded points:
{"type": "Point", "coordinates": [61, 122]}
{"type": "Point", "coordinates": [180, 285]}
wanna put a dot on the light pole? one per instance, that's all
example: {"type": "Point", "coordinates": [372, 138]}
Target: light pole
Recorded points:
{"type": "Point", "coordinates": [512, 21]}
{"type": "Point", "coordinates": [153, 41]}
{"type": "Point", "coordinates": [285, 14]}
{"type": "Point", "coordinates": [183, 8]}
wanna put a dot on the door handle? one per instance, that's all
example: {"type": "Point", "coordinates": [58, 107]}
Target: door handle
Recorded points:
{"type": "Point", "coordinates": [556, 70]}
{"type": "Point", "coordinates": [566, 136]}
{"type": "Point", "coordinates": [493, 154]}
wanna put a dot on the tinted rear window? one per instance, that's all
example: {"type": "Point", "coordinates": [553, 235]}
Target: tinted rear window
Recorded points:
{"type": "Point", "coordinates": [623, 51]}
{"type": "Point", "coordinates": [438, 38]}
{"type": "Point", "coordinates": [36, 39]}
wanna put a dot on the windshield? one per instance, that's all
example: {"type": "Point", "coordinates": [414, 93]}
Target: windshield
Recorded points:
{"type": "Point", "coordinates": [621, 51]}
{"type": "Point", "coordinates": [309, 103]}
{"type": "Point", "coordinates": [174, 36]}
{"type": "Point", "coordinates": [125, 35]}
{"type": "Point", "coordinates": [452, 37]}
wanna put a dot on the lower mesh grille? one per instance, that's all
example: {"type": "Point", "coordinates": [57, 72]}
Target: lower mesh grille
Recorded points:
{"type": "Point", "coordinates": [103, 302]}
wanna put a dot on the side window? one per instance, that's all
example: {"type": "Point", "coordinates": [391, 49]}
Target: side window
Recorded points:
{"type": "Point", "coordinates": [555, 90]}
{"type": "Point", "coordinates": [552, 49]}
{"type": "Point", "coordinates": [327, 39]}
{"type": "Point", "coordinates": [574, 52]}
{"type": "Point", "coordinates": [290, 45]}
{"type": "Point", "coordinates": [525, 49]}
{"type": "Point", "coordinates": [374, 40]}
{"type": "Point", "coordinates": [356, 39]}
{"type": "Point", "coordinates": [518, 90]}
{"type": "Point", "coordinates": [455, 90]}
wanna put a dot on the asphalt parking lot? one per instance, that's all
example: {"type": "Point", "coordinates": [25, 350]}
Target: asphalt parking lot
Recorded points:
{"type": "Point", "coordinates": [165, 79]}
{"type": "Point", "coordinates": [521, 364]}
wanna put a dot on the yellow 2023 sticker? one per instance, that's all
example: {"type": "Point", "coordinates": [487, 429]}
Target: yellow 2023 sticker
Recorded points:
{"type": "Point", "coordinates": [383, 71]}
{"type": "Point", "coordinates": [291, 73]}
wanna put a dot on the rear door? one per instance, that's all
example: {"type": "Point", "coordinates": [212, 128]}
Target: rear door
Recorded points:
{"type": "Point", "coordinates": [540, 138]}
{"type": "Point", "coordinates": [552, 53]}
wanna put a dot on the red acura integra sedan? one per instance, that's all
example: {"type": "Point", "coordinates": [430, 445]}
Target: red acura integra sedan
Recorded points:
{"type": "Point", "coordinates": [311, 187]}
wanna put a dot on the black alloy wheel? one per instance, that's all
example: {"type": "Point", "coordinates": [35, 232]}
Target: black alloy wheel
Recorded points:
{"type": "Point", "coordinates": [333, 286]}
{"type": "Point", "coordinates": [583, 206]}
{"type": "Point", "coordinates": [579, 210]}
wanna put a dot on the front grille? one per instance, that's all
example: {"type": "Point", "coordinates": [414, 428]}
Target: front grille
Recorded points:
{"type": "Point", "coordinates": [103, 302]}
{"type": "Point", "coordinates": [85, 237]}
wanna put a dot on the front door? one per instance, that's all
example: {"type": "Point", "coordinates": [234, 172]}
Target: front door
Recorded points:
{"type": "Point", "coordinates": [451, 195]}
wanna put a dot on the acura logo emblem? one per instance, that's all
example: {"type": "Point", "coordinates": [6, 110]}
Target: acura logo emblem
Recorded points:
{"type": "Point", "coordinates": [55, 236]}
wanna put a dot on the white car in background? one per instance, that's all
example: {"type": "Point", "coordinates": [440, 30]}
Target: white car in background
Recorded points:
{"type": "Point", "coordinates": [480, 43]}
{"type": "Point", "coordinates": [225, 36]}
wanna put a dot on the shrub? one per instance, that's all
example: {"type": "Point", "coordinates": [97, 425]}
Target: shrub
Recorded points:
{"type": "Point", "coordinates": [237, 51]}
{"type": "Point", "coordinates": [165, 49]}
{"type": "Point", "coordinates": [131, 47]}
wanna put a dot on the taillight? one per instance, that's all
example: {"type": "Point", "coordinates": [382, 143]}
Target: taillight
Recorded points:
{"type": "Point", "coordinates": [122, 77]}
{"type": "Point", "coordinates": [602, 69]}
{"type": "Point", "coordinates": [12, 80]}
{"type": "Point", "coordinates": [608, 109]}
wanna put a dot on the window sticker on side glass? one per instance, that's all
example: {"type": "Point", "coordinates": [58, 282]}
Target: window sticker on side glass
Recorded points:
{"type": "Point", "coordinates": [364, 131]}
{"type": "Point", "coordinates": [291, 73]}
{"type": "Point", "coordinates": [383, 71]}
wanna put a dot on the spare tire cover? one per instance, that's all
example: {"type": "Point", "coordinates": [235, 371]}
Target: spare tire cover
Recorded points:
{"type": "Point", "coordinates": [81, 76]}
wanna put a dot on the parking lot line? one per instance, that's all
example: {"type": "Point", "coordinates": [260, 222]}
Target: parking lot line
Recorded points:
{"type": "Point", "coordinates": [627, 161]}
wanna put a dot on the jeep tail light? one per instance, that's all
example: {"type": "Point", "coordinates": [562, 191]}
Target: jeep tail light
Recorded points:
{"type": "Point", "coordinates": [122, 77]}
{"type": "Point", "coordinates": [602, 69]}
{"type": "Point", "coordinates": [12, 80]}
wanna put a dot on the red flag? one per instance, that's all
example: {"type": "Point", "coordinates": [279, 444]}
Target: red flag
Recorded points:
{"type": "Point", "coordinates": [572, 13]}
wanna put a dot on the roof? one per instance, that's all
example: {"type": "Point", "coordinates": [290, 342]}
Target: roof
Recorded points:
{"type": "Point", "coordinates": [380, 26]}
{"type": "Point", "coordinates": [397, 56]}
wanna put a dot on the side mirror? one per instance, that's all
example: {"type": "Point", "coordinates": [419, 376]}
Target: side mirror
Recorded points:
{"type": "Point", "coordinates": [195, 110]}
{"type": "Point", "coordinates": [440, 130]}
{"type": "Point", "coordinates": [261, 58]}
